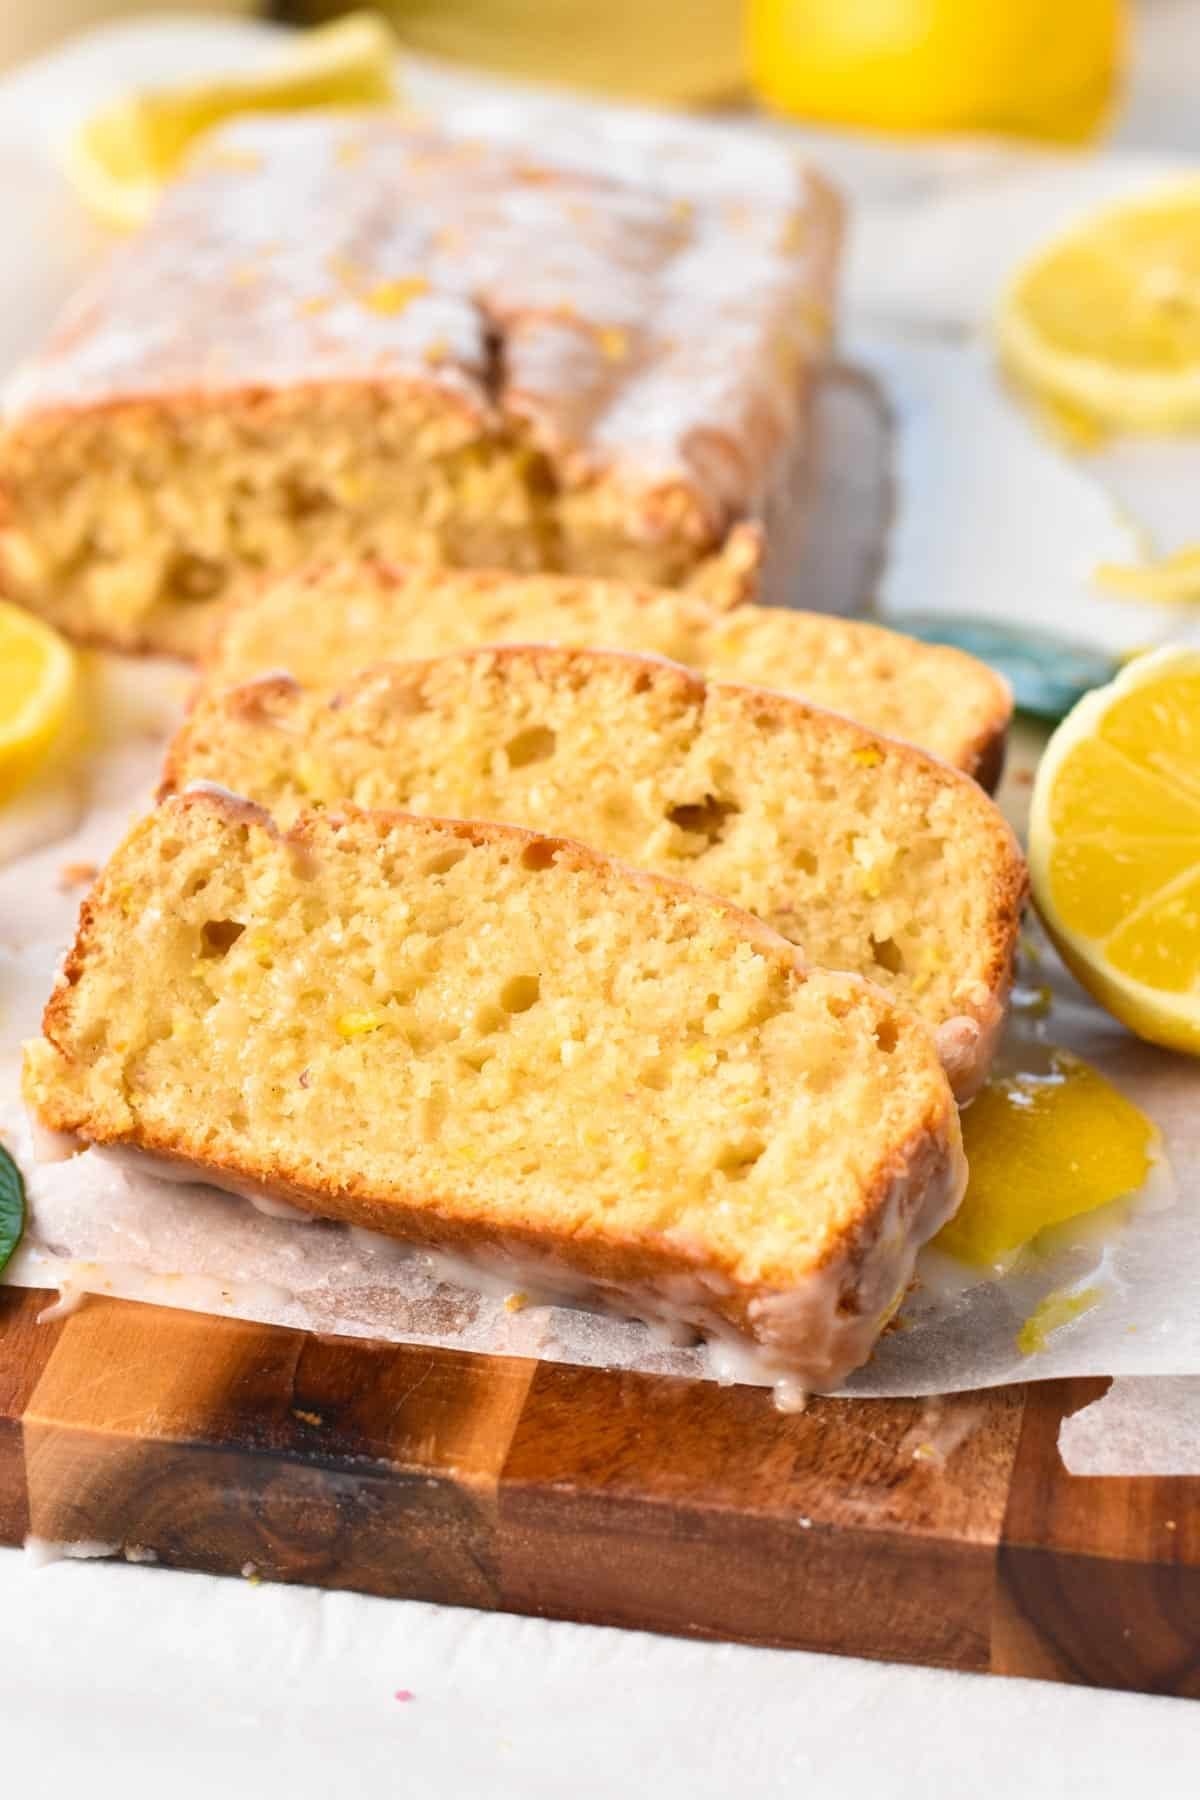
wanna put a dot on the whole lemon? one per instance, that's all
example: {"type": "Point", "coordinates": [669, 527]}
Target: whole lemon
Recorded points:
{"type": "Point", "coordinates": [1013, 66]}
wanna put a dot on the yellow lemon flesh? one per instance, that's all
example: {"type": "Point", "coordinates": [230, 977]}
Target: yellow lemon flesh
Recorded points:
{"type": "Point", "coordinates": [939, 65]}
{"type": "Point", "coordinates": [38, 683]}
{"type": "Point", "coordinates": [1114, 846]}
{"type": "Point", "coordinates": [121, 157]}
{"type": "Point", "coordinates": [1105, 321]}
{"type": "Point", "coordinates": [1044, 1148]}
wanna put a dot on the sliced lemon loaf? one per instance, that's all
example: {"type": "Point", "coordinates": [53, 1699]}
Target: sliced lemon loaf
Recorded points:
{"type": "Point", "coordinates": [864, 852]}
{"type": "Point", "coordinates": [343, 333]}
{"type": "Point", "coordinates": [511, 1048]}
{"type": "Point", "coordinates": [324, 624]}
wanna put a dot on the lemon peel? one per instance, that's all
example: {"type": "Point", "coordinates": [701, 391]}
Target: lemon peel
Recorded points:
{"type": "Point", "coordinates": [1173, 580]}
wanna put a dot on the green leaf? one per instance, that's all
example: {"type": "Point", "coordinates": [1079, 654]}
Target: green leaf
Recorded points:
{"type": "Point", "coordinates": [12, 1207]}
{"type": "Point", "coordinates": [1047, 674]}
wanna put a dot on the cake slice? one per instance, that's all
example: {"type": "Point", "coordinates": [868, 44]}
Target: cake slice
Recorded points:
{"type": "Point", "coordinates": [323, 624]}
{"type": "Point", "coordinates": [506, 1046]}
{"type": "Point", "coordinates": [352, 334]}
{"type": "Point", "coordinates": [865, 853]}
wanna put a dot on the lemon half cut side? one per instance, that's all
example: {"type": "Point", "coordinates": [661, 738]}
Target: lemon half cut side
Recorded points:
{"type": "Point", "coordinates": [1114, 846]}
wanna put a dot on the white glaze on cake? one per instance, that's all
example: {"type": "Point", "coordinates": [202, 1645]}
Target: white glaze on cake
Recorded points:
{"type": "Point", "coordinates": [810, 1336]}
{"type": "Point", "coordinates": [624, 328]}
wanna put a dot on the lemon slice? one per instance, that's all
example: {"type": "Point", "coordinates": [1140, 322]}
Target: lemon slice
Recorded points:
{"type": "Point", "coordinates": [120, 158]}
{"type": "Point", "coordinates": [38, 680]}
{"type": "Point", "coordinates": [1104, 323]}
{"type": "Point", "coordinates": [1114, 846]}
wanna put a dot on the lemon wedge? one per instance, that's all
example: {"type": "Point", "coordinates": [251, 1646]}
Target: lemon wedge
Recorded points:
{"type": "Point", "coordinates": [1104, 322]}
{"type": "Point", "coordinates": [38, 684]}
{"type": "Point", "coordinates": [120, 158]}
{"type": "Point", "coordinates": [1044, 1147]}
{"type": "Point", "coordinates": [1114, 846]}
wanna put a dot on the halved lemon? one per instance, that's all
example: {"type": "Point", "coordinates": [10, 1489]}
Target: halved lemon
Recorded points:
{"type": "Point", "coordinates": [38, 685]}
{"type": "Point", "coordinates": [120, 158]}
{"type": "Point", "coordinates": [1104, 323]}
{"type": "Point", "coordinates": [1114, 846]}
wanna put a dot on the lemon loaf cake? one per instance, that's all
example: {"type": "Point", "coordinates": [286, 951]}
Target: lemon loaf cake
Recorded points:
{"type": "Point", "coordinates": [864, 852]}
{"type": "Point", "coordinates": [510, 1048]}
{"type": "Point", "coordinates": [323, 624]}
{"type": "Point", "coordinates": [355, 333]}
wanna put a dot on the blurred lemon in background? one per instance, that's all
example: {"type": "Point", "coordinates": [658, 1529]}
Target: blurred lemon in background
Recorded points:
{"type": "Point", "coordinates": [1114, 846]}
{"type": "Point", "coordinates": [1106, 318]}
{"type": "Point", "coordinates": [637, 49]}
{"type": "Point", "coordinates": [1020, 67]}
{"type": "Point", "coordinates": [38, 687]}
{"type": "Point", "coordinates": [120, 157]}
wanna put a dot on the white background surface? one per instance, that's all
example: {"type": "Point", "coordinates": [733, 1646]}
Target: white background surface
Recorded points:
{"type": "Point", "coordinates": [140, 1682]}
{"type": "Point", "coordinates": [119, 1680]}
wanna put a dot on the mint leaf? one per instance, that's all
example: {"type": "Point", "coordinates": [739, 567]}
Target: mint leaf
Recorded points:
{"type": "Point", "coordinates": [12, 1207]}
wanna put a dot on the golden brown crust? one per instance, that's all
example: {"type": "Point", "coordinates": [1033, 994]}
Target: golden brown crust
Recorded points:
{"type": "Point", "coordinates": [924, 1171]}
{"type": "Point", "coordinates": [999, 849]}
{"type": "Point", "coordinates": [984, 760]}
{"type": "Point", "coordinates": [407, 1217]}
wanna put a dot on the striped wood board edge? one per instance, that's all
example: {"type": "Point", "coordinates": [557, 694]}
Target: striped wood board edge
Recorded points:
{"type": "Point", "coordinates": [951, 1537]}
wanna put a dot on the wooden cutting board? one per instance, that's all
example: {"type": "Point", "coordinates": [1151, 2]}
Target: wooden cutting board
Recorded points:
{"type": "Point", "coordinates": [945, 1533]}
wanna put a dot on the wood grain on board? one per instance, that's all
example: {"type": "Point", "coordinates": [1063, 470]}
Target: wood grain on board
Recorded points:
{"type": "Point", "coordinates": [944, 1533]}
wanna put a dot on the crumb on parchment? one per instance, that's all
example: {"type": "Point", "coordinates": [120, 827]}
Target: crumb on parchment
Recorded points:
{"type": "Point", "coordinates": [76, 874]}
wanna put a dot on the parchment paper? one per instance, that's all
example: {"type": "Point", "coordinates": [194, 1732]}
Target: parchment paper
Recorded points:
{"type": "Point", "coordinates": [1142, 1426]}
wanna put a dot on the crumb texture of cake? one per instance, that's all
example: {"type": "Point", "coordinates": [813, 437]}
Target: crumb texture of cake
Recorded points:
{"type": "Point", "coordinates": [343, 335]}
{"type": "Point", "coordinates": [324, 624]}
{"type": "Point", "coordinates": [864, 852]}
{"type": "Point", "coordinates": [510, 1048]}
